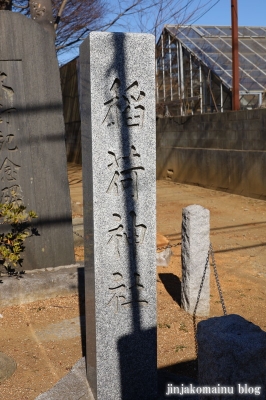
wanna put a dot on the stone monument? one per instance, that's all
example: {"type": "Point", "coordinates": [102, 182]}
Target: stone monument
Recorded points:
{"type": "Point", "coordinates": [232, 352]}
{"type": "Point", "coordinates": [118, 153]}
{"type": "Point", "coordinates": [32, 144]}
{"type": "Point", "coordinates": [194, 255]}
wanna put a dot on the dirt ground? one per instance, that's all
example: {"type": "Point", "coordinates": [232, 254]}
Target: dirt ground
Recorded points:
{"type": "Point", "coordinates": [238, 236]}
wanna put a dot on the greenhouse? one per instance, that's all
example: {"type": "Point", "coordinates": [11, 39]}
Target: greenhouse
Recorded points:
{"type": "Point", "coordinates": [194, 69]}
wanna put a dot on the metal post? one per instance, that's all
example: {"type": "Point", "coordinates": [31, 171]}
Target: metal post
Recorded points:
{"type": "Point", "coordinates": [191, 80]}
{"type": "Point", "coordinates": [222, 98]}
{"type": "Point", "coordinates": [157, 79]}
{"type": "Point", "coordinates": [260, 99]}
{"type": "Point", "coordinates": [163, 67]}
{"type": "Point", "coordinates": [178, 69]}
{"type": "Point", "coordinates": [201, 92]}
{"type": "Point", "coordinates": [191, 76]}
{"type": "Point", "coordinates": [181, 75]}
{"type": "Point", "coordinates": [235, 55]}
{"type": "Point", "coordinates": [210, 89]}
{"type": "Point", "coordinates": [170, 60]}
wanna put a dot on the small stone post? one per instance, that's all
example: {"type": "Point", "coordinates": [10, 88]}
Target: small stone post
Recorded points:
{"type": "Point", "coordinates": [195, 247]}
{"type": "Point", "coordinates": [231, 358]}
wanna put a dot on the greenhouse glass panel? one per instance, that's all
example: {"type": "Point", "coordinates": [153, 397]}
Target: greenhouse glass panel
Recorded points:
{"type": "Point", "coordinates": [220, 45]}
{"type": "Point", "coordinates": [213, 31]}
{"type": "Point", "coordinates": [190, 33]}
{"type": "Point", "coordinates": [249, 84]}
{"type": "Point", "coordinates": [215, 56]}
{"type": "Point", "coordinates": [254, 45]}
{"type": "Point", "coordinates": [226, 31]}
{"type": "Point", "coordinates": [262, 80]}
{"type": "Point", "coordinates": [257, 75]}
{"type": "Point", "coordinates": [204, 45]}
{"type": "Point", "coordinates": [245, 63]}
{"type": "Point", "coordinates": [211, 47]}
{"type": "Point", "coordinates": [202, 30]}
{"type": "Point", "coordinates": [257, 31]}
{"type": "Point", "coordinates": [244, 31]}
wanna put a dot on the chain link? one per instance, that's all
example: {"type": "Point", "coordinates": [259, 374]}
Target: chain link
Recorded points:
{"type": "Point", "coordinates": [78, 234]}
{"type": "Point", "coordinates": [217, 280]}
{"type": "Point", "coordinates": [210, 253]}
{"type": "Point", "coordinates": [197, 302]}
{"type": "Point", "coordinates": [169, 246]}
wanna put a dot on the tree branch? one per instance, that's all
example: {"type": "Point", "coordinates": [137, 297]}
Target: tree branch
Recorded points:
{"type": "Point", "coordinates": [22, 7]}
{"type": "Point", "coordinates": [61, 9]}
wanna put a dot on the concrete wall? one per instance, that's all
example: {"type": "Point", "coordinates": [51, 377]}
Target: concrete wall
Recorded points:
{"type": "Point", "coordinates": [224, 151]}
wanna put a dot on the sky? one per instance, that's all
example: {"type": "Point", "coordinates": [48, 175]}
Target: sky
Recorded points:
{"type": "Point", "coordinates": [250, 13]}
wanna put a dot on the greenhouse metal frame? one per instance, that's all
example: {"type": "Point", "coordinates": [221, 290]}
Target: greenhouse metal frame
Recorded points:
{"type": "Point", "coordinates": [194, 69]}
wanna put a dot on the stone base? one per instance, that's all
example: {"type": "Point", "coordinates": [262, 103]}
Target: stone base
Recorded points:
{"type": "Point", "coordinates": [74, 386]}
{"type": "Point", "coordinates": [232, 353]}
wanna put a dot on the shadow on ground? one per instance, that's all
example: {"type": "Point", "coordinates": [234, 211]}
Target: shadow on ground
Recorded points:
{"type": "Point", "coordinates": [172, 285]}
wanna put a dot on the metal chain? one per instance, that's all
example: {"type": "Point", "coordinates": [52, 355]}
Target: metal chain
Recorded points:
{"type": "Point", "coordinates": [197, 302]}
{"type": "Point", "coordinates": [210, 252]}
{"type": "Point", "coordinates": [217, 280]}
{"type": "Point", "coordinates": [169, 246]}
{"type": "Point", "coordinates": [78, 234]}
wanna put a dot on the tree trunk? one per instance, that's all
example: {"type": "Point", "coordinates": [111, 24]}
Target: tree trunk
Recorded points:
{"type": "Point", "coordinates": [6, 5]}
{"type": "Point", "coordinates": [41, 11]}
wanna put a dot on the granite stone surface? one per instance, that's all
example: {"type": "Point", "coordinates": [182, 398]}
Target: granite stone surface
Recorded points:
{"type": "Point", "coordinates": [232, 352]}
{"type": "Point", "coordinates": [41, 284]}
{"type": "Point", "coordinates": [194, 255]}
{"type": "Point", "coordinates": [73, 386]}
{"type": "Point", "coordinates": [33, 168]}
{"type": "Point", "coordinates": [7, 366]}
{"type": "Point", "coordinates": [118, 152]}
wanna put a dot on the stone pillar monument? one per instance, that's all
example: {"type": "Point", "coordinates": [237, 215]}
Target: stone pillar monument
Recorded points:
{"type": "Point", "coordinates": [118, 152]}
{"type": "Point", "coordinates": [33, 168]}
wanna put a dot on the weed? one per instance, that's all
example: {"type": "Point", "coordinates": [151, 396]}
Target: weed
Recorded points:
{"type": "Point", "coordinates": [183, 327]}
{"type": "Point", "coordinates": [40, 309]}
{"type": "Point", "coordinates": [11, 241]}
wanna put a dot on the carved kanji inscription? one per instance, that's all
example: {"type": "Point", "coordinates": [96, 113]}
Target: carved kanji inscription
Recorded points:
{"type": "Point", "coordinates": [126, 233]}
{"type": "Point", "coordinates": [125, 172]}
{"type": "Point", "coordinates": [123, 295]}
{"type": "Point", "coordinates": [125, 107]}
{"type": "Point", "coordinates": [10, 189]}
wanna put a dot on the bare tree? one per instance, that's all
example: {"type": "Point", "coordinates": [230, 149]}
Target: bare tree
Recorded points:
{"type": "Point", "coordinates": [74, 19]}
{"type": "Point", "coordinates": [67, 20]}
{"type": "Point", "coordinates": [71, 20]}
{"type": "Point", "coordinates": [151, 15]}
{"type": "Point", "coordinates": [141, 15]}
{"type": "Point", "coordinates": [5, 4]}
